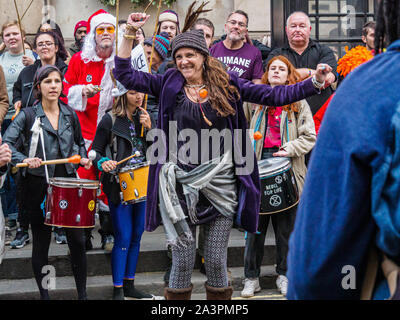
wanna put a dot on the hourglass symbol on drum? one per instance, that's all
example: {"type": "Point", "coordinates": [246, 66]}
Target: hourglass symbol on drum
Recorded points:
{"type": "Point", "coordinates": [275, 201]}
{"type": "Point", "coordinates": [124, 185]}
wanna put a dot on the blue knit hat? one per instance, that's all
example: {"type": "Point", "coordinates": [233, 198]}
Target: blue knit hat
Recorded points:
{"type": "Point", "coordinates": [161, 44]}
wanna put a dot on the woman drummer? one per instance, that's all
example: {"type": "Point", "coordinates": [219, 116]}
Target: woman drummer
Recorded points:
{"type": "Point", "coordinates": [282, 132]}
{"type": "Point", "coordinates": [118, 136]}
{"type": "Point", "coordinates": [199, 95]}
{"type": "Point", "coordinates": [62, 138]}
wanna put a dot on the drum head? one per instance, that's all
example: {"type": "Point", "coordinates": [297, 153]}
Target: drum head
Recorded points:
{"type": "Point", "coordinates": [134, 166]}
{"type": "Point", "coordinates": [74, 183]}
{"type": "Point", "coordinates": [273, 166]}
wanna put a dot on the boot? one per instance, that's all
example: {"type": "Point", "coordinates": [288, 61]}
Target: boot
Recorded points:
{"type": "Point", "coordinates": [118, 293]}
{"type": "Point", "coordinates": [178, 294]}
{"type": "Point", "coordinates": [213, 293]}
{"type": "Point", "coordinates": [131, 293]}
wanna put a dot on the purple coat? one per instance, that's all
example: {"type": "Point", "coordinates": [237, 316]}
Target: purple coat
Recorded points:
{"type": "Point", "coordinates": [167, 87]}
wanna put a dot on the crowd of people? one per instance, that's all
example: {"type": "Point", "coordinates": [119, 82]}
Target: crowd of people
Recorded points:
{"type": "Point", "coordinates": [264, 104]}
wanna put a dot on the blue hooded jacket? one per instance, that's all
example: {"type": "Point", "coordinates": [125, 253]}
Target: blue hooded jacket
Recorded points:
{"type": "Point", "coordinates": [351, 197]}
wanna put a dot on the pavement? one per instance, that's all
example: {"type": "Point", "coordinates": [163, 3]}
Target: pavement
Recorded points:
{"type": "Point", "coordinates": [17, 282]}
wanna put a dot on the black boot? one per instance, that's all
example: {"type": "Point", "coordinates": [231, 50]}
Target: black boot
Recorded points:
{"type": "Point", "coordinates": [118, 293]}
{"type": "Point", "coordinates": [132, 293]}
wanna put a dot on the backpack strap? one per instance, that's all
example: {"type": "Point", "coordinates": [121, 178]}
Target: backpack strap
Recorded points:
{"type": "Point", "coordinates": [111, 152]}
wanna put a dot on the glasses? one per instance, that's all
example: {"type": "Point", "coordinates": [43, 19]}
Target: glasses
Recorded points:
{"type": "Point", "coordinates": [234, 23]}
{"type": "Point", "coordinates": [44, 44]}
{"type": "Point", "coordinates": [101, 30]}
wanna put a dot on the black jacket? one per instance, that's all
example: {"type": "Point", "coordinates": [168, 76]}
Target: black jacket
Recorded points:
{"type": "Point", "coordinates": [102, 144]}
{"type": "Point", "coordinates": [22, 90]}
{"type": "Point", "coordinates": [65, 142]}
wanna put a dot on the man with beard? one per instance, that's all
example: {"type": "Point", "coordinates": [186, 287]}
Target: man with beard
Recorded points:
{"type": "Point", "coordinates": [79, 34]}
{"type": "Point", "coordinates": [239, 56]}
{"type": "Point", "coordinates": [87, 87]}
{"type": "Point", "coordinates": [368, 35]}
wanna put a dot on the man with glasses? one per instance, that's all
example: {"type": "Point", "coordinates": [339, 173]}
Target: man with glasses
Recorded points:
{"type": "Point", "coordinates": [235, 52]}
{"type": "Point", "coordinates": [87, 86]}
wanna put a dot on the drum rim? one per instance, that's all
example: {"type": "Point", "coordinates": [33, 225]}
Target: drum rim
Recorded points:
{"type": "Point", "coordinates": [274, 173]}
{"type": "Point", "coordinates": [69, 182]}
{"type": "Point", "coordinates": [134, 166]}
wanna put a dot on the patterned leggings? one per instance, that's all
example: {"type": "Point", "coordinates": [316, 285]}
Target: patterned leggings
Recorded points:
{"type": "Point", "coordinates": [216, 237]}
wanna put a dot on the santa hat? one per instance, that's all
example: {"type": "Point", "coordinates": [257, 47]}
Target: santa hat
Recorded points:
{"type": "Point", "coordinates": [99, 17]}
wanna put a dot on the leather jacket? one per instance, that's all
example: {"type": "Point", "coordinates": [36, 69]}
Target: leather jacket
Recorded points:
{"type": "Point", "coordinates": [63, 143]}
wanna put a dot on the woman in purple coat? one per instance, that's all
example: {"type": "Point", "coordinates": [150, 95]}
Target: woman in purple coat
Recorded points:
{"type": "Point", "coordinates": [201, 144]}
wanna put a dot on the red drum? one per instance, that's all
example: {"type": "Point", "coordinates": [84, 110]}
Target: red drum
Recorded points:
{"type": "Point", "coordinates": [71, 203]}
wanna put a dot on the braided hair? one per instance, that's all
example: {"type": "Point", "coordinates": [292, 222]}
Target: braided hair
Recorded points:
{"type": "Point", "coordinates": [387, 24]}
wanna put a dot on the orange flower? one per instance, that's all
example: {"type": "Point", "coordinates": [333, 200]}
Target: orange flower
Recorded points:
{"type": "Point", "coordinates": [352, 59]}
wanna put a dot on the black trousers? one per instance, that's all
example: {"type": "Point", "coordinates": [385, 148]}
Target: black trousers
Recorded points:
{"type": "Point", "coordinates": [35, 189]}
{"type": "Point", "coordinates": [283, 223]}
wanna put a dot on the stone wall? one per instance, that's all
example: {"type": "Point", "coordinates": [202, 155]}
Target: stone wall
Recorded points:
{"type": "Point", "coordinates": [67, 13]}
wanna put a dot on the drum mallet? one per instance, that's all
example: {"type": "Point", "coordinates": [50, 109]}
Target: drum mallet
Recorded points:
{"type": "Point", "coordinates": [76, 159]}
{"type": "Point", "coordinates": [136, 154]}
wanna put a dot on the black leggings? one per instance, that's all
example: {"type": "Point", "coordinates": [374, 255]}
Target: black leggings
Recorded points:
{"type": "Point", "coordinates": [35, 190]}
{"type": "Point", "coordinates": [40, 253]}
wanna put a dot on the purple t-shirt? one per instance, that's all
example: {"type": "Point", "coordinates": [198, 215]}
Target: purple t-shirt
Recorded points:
{"type": "Point", "coordinates": [246, 62]}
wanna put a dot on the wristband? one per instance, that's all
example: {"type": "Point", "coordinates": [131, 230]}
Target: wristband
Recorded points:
{"type": "Point", "coordinates": [100, 162]}
{"type": "Point", "coordinates": [318, 85]}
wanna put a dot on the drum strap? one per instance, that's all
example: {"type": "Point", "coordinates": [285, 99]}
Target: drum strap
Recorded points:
{"type": "Point", "coordinates": [37, 132]}
{"type": "Point", "coordinates": [113, 140]}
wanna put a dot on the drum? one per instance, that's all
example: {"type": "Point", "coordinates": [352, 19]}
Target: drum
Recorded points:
{"type": "Point", "coordinates": [133, 182]}
{"type": "Point", "coordinates": [71, 203]}
{"type": "Point", "coordinates": [278, 185]}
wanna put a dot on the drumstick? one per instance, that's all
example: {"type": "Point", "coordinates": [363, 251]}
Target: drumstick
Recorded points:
{"type": "Point", "coordinates": [136, 154]}
{"type": "Point", "coordinates": [74, 159]}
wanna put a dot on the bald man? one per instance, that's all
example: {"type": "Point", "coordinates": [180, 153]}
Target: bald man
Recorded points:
{"type": "Point", "coordinates": [305, 54]}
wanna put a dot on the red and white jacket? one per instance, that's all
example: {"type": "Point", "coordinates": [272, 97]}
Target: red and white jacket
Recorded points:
{"type": "Point", "coordinates": [89, 110]}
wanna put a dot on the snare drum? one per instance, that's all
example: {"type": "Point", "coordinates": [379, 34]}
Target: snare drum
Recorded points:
{"type": "Point", "coordinates": [71, 203]}
{"type": "Point", "coordinates": [133, 182]}
{"type": "Point", "coordinates": [278, 185]}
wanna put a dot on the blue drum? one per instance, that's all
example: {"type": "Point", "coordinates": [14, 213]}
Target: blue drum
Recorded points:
{"type": "Point", "coordinates": [279, 189]}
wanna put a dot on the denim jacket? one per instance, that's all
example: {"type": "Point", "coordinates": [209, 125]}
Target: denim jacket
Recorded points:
{"type": "Point", "coordinates": [351, 195]}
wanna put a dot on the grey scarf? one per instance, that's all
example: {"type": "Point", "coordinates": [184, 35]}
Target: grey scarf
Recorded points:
{"type": "Point", "coordinates": [215, 179]}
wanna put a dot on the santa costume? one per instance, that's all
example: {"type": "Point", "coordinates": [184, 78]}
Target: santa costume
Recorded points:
{"type": "Point", "coordinates": [84, 68]}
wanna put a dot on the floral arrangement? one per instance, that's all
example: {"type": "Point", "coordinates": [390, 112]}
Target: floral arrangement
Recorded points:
{"type": "Point", "coordinates": [136, 2]}
{"type": "Point", "coordinates": [352, 59]}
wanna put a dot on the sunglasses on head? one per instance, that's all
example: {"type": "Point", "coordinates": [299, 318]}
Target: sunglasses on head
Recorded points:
{"type": "Point", "coordinates": [101, 30]}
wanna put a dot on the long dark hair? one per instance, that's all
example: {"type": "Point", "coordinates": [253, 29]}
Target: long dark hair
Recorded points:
{"type": "Point", "coordinates": [387, 24]}
{"type": "Point", "coordinates": [61, 53]}
{"type": "Point", "coordinates": [41, 74]}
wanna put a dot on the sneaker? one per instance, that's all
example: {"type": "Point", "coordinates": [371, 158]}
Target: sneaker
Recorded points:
{"type": "Point", "coordinates": [59, 236]}
{"type": "Point", "coordinates": [21, 239]}
{"type": "Point", "coordinates": [251, 286]}
{"type": "Point", "coordinates": [9, 237]}
{"type": "Point", "coordinates": [107, 243]}
{"type": "Point", "coordinates": [282, 284]}
{"type": "Point", "coordinates": [11, 225]}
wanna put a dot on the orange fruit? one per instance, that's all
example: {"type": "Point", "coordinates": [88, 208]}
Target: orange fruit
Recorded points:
{"type": "Point", "coordinates": [257, 135]}
{"type": "Point", "coordinates": [203, 93]}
